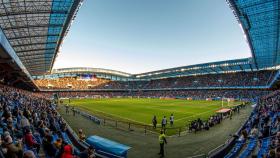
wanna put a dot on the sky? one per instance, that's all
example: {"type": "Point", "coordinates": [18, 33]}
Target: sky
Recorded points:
{"type": "Point", "coordinates": [137, 36]}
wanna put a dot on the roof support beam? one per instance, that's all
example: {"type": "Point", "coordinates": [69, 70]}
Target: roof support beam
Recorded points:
{"type": "Point", "coordinates": [251, 67]}
{"type": "Point", "coordinates": [34, 50]}
{"type": "Point", "coordinates": [231, 69]}
{"type": "Point", "coordinates": [32, 26]}
{"type": "Point", "coordinates": [36, 12]}
{"type": "Point", "coordinates": [35, 55]}
{"type": "Point", "coordinates": [38, 65]}
{"type": "Point", "coordinates": [31, 44]}
{"type": "Point", "coordinates": [213, 70]}
{"type": "Point", "coordinates": [34, 36]}
{"type": "Point", "coordinates": [30, 62]}
{"type": "Point", "coordinates": [241, 67]}
{"type": "Point", "coordinates": [221, 68]}
{"type": "Point", "coordinates": [35, 58]}
{"type": "Point", "coordinates": [203, 70]}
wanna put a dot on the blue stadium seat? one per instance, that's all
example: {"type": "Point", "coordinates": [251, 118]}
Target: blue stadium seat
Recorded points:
{"type": "Point", "coordinates": [250, 147]}
{"type": "Point", "coordinates": [235, 150]}
{"type": "Point", "coordinates": [264, 148]}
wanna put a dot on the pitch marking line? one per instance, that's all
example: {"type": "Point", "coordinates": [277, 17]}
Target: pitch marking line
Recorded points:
{"type": "Point", "coordinates": [199, 113]}
{"type": "Point", "coordinates": [196, 114]}
{"type": "Point", "coordinates": [157, 108]}
{"type": "Point", "coordinates": [114, 115]}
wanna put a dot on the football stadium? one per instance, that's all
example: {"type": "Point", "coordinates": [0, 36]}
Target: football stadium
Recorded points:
{"type": "Point", "coordinates": [228, 108]}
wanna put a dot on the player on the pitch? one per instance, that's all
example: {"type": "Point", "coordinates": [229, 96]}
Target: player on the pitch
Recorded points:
{"type": "Point", "coordinates": [171, 120]}
{"type": "Point", "coordinates": [163, 122]}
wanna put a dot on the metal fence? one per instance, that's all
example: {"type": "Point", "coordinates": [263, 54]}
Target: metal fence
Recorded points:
{"type": "Point", "coordinates": [128, 126]}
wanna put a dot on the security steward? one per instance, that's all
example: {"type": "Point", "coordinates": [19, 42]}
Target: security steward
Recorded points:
{"type": "Point", "coordinates": [162, 141]}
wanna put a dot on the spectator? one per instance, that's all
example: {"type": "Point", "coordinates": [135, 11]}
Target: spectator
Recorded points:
{"type": "Point", "coordinates": [259, 78]}
{"type": "Point", "coordinates": [67, 151]}
{"type": "Point", "coordinates": [30, 142]}
{"type": "Point", "coordinates": [88, 153]}
{"type": "Point", "coordinates": [82, 136]}
{"type": "Point", "coordinates": [29, 154]}
{"type": "Point", "coordinates": [49, 148]}
{"type": "Point", "coordinates": [277, 152]}
{"type": "Point", "coordinates": [58, 143]}
{"type": "Point", "coordinates": [13, 150]}
{"type": "Point", "coordinates": [2, 150]}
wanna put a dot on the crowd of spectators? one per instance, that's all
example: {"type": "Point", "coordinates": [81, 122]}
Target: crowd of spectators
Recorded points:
{"type": "Point", "coordinates": [193, 94]}
{"type": "Point", "coordinates": [238, 79]}
{"type": "Point", "coordinates": [260, 78]}
{"type": "Point", "coordinates": [69, 83]}
{"type": "Point", "coordinates": [199, 124]}
{"type": "Point", "coordinates": [30, 127]}
{"type": "Point", "coordinates": [262, 130]}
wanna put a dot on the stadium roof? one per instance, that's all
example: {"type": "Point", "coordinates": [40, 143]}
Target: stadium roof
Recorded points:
{"type": "Point", "coordinates": [228, 66]}
{"type": "Point", "coordinates": [90, 70]}
{"type": "Point", "coordinates": [260, 21]}
{"type": "Point", "coordinates": [12, 71]}
{"type": "Point", "coordinates": [36, 28]}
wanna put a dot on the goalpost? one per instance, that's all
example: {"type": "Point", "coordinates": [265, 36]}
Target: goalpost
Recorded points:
{"type": "Point", "coordinates": [228, 100]}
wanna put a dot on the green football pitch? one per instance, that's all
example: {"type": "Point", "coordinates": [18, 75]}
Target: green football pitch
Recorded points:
{"type": "Point", "coordinates": [141, 111]}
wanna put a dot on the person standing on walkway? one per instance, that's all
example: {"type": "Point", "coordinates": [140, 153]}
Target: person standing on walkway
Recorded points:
{"type": "Point", "coordinates": [73, 111]}
{"type": "Point", "coordinates": [230, 114]}
{"type": "Point", "coordinates": [154, 121]}
{"type": "Point", "coordinates": [162, 141]}
{"type": "Point", "coordinates": [67, 108]}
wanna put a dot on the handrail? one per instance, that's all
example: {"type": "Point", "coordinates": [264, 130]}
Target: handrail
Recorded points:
{"type": "Point", "coordinates": [84, 145]}
{"type": "Point", "coordinates": [196, 156]}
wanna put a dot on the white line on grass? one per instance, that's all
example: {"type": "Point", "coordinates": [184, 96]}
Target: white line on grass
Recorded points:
{"type": "Point", "coordinates": [196, 114]}
{"type": "Point", "coordinates": [179, 111]}
{"type": "Point", "coordinates": [115, 116]}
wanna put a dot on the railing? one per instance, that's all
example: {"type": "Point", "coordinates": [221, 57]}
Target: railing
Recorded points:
{"type": "Point", "coordinates": [198, 156]}
{"type": "Point", "coordinates": [138, 127]}
{"type": "Point", "coordinates": [225, 148]}
{"type": "Point", "coordinates": [219, 151]}
{"type": "Point", "coordinates": [81, 145]}
{"type": "Point", "coordinates": [131, 126]}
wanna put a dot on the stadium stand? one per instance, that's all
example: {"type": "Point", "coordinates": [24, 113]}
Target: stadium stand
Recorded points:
{"type": "Point", "coordinates": [30, 126]}
{"type": "Point", "coordinates": [263, 128]}
{"type": "Point", "coordinates": [69, 83]}
{"type": "Point", "coordinates": [194, 94]}
{"type": "Point", "coordinates": [43, 125]}
{"type": "Point", "coordinates": [239, 79]}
